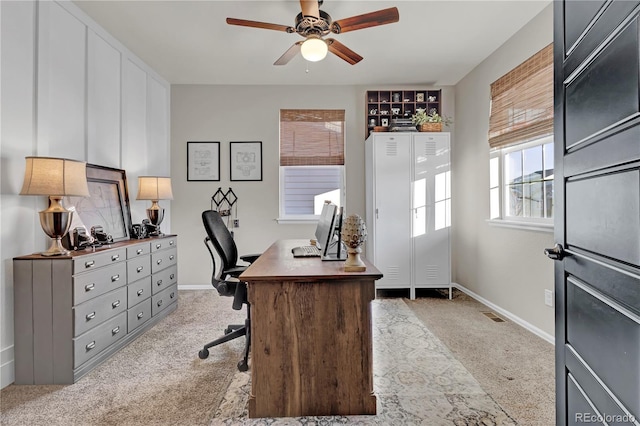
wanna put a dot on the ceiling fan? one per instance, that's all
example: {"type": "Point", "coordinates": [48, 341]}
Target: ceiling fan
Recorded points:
{"type": "Point", "coordinates": [313, 24]}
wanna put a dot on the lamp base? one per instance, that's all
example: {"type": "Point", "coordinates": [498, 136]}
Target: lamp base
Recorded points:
{"type": "Point", "coordinates": [55, 223]}
{"type": "Point", "coordinates": [155, 214]}
{"type": "Point", "coordinates": [56, 248]}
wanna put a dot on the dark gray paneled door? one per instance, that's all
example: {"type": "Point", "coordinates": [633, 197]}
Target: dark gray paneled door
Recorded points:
{"type": "Point", "coordinates": [597, 210]}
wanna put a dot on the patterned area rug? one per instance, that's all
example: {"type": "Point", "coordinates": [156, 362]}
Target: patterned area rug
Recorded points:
{"type": "Point", "coordinates": [416, 381]}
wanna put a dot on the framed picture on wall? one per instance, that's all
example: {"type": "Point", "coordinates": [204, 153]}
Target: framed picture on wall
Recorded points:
{"type": "Point", "coordinates": [203, 161]}
{"type": "Point", "coordinates": [245, 160]}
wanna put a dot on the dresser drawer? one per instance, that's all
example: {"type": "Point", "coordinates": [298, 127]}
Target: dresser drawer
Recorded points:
{"type": "Point", "coordinates": [164, 279]}
{"type": "Point", "coordinates": [138, 268]}
{"type": "Point", "coordinates": [163, 259]}
{"type": "Point", "coordinates": [98, 260]}
{"type": "Point", "coordinates": [163, 299]}
{"type": "Point", "coordinates": [138, 250]}
{"type": "Point", "coordinates": [163, 243]}
{"type": "Point", "coordinates": [138, 315]}
{"type": "Point", "coordinates": [95, 311]}
{"type": "Point", "coordinates": [97, 339]}
{"type": "Point", "coordinates": [138, 291]}
{"type": "Point", "coordinates": [98, 282]}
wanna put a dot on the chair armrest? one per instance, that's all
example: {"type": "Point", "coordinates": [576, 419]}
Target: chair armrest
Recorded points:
{"type": "Point", "coordinates": [250, 258]}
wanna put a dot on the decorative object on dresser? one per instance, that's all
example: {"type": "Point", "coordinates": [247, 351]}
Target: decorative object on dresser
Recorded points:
{"type": "Point", "coordinates": [408, 209]}
{"type": "Point", "coordinates": [431, 121]}
{"type": "Point", "coordinates": [73, 312]}
{"type": "Point", "coordinates": [354, 234]}
{"type": "Point", "coordinates": [154, 188]}
{"type": "Point", "coordinates": [57, 178]}
{"type": "Point", "coordinates": [400, 104]}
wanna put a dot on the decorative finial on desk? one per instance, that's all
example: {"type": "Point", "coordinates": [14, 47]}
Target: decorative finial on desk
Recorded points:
{"type": "Point", "coordinates": [354, 234]}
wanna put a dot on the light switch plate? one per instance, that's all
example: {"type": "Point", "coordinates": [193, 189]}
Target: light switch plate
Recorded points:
{"type": "Point", "coordinates": [548, 297]}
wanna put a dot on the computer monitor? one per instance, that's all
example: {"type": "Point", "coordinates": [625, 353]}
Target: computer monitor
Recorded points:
{"type": "Point", "coordinates": [324, 230]}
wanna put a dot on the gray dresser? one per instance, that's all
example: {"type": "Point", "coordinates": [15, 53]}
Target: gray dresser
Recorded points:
{"type": "Point", "coordinates": [73, 312]}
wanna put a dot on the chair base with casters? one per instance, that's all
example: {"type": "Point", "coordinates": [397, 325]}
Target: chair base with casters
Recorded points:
{"type": "Point", "coordinates": [233, 331]}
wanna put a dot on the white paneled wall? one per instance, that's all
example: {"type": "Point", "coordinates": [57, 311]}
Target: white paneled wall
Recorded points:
{"type": "Point", "coordinates": [69, 89]}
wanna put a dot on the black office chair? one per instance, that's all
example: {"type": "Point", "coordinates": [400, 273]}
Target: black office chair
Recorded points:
{"type": "Point", "coordinates": [224, 279]}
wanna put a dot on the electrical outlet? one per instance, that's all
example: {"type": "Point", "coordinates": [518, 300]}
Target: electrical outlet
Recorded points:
{"type": "Point", "coordinates": [548, 297]}
{"type": "Point", "coordinates": [236, 223]}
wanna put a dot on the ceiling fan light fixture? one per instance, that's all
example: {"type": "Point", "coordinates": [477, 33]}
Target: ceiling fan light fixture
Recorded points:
{"type": "Point", "coordinates": [314, 49]}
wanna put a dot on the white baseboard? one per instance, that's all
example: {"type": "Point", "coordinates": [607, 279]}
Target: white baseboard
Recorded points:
{"type": "Point", "coordinates": [7, 367]}
{"type": "Point", "coordinates": [195, 287]}
{"type": "Point", "coordinates": [527, 325]}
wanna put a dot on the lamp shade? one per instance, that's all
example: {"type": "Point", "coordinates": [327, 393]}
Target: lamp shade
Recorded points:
{"type": "Point", "coordinates": [314, 49]}
{"type": "Point", "coordinates": [154, 188]}
{"type": "Point", "coordinates": [55, 176]}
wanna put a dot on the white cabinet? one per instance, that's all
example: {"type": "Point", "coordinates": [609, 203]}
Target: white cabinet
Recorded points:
{"type": "Point", "coordinates": [408, 197]}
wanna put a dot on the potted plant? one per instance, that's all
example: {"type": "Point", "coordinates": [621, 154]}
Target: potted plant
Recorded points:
{"type": "Point", "coordinates": [431, 122]}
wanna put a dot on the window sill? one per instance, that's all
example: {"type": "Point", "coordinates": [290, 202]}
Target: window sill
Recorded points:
{"type": "Point", "coordinates": [287, 221]}
{"type": "Point", "coordinates": [526, 226]}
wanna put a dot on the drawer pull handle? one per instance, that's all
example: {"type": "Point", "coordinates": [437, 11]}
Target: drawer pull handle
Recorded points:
{"type": "Point", "coordinates": [89, 287]}
{"type": "Point", "coordinates": [172, 295]}
{"type": "Point", "coordinates": [159, 282]}
{"type": "Point", "coordinates": [115, 331]}
{"type": "Point", "coordinates": [115, 278]}
{"type": "Point", "coordinates": [139, 251]}
{"type": "Point", "coordinates": [159, 261]}
{"type": "Point", "coordinates": [91, 316]}
{"type": "Point", "coordinates": [158, 246]}
{"type": "Point", "coordinates": [115, 257]}
{"type": "Point", "coordinates": [139, 269]}
{"type": "Point", "coordinates": [89, 263]}
{"type": "Point", "coordinates": [171, 242]}
{"type": "Point", "coordinates": [140, 292]}
{"type": "Point", "coordinates": [172, 276]}
{"type": "Point", "coordinates": [115, 304]}
{"type": "Point", "coordinates": [91, 345]}
{"type": "Point", "coordinates": [159, 303]}
{"type": "Point", "coordinates": [140, 315]}
{"type": "Point", "coordinates": [172, 257]}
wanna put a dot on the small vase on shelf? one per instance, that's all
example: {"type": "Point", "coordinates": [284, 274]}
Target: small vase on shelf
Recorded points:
{"type": "Point", "coordinates": [354, 234]}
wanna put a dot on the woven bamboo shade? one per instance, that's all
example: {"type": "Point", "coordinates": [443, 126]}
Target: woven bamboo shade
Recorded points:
{"type": "Point", "coordinates": [310, 137]}
{"type": "Point", "coordinates": [522, 101]}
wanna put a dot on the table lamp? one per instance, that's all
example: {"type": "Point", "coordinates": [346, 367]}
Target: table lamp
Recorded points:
{"type": "Point", "coordinates": [154, 188]}
{"type": "Point", "coordinates": [56, 178]}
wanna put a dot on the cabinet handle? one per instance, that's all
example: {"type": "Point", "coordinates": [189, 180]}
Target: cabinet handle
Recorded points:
{"type": "Point", "coordinates": [172, 295]}
{"type": "Point", "coordinates": [158, 246]}
{"type": "Point", "coordinates": [89, 287]}
{"type": "Point", "coordinates": [171, 257]}
{"type": "Point", "coordinates": [115, 331]}
{"type": "Point", "coordinates": [159, 261]}
{"type": "Point", "coordinates": [89, 263]}
{"type": "Point", "coordinates": [172, 276]}
{"type": "Point", "coordinates": [159, 303]}
{"type": "Point", "coordinates": [139, 251]}
{"type": "Point", "coordinates": [91, 345]}
{"type": "Point", "coordinates": [140, 292]}
{"type": "Point", "coordinates": [115, 257]}
{"type": "Point", "coordinates": [115, 278]}
{"type": "Point", "coordinates": [159, 282]}
{"type": "Point", "coordinates": [140, 315]}
{"type": "Point", "coordinates": [90, 316]}
{"type": "Point", "coordinates": [115, 304]}
{"type": "Point", "coordinates": [139, 269]}
{"type": "Point", "coordinates": [171, 242]}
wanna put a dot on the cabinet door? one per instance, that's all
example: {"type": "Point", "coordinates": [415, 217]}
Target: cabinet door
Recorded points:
{"type": "Point", "coordinates": [392, 159]}
{"type": "Point", "coordinates": [431, 209]}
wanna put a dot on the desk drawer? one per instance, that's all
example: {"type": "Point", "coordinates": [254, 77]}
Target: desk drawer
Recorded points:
{"type": "Point", "coordinates": [163, 299]}
{"type": "Point", "coordinates": [98, 260]}
{"type": "Point", "coordinates": [138, 250]}
{"type": "Point", "coordinates": [163, 244]}
{"type": "Point", "coordinates": [138, 315]}
{"type": "Point", "coordinates": [91, 313]}
{"type": "Point", "coordinates": [138, 291]}
{"type": "Point", "coordinates": [97, 339]}
{"type": "Point", "coordinates": [164, 279]}
{"type": "Point", "coordinates": [98, 282]}
{"type": "Point", "coordinates": [163, 259]}
{"type": "Point", "coordinates": [138, 268]}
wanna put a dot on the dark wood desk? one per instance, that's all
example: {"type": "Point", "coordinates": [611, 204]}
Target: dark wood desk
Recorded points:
{"type": "Point", "coordinates": [311, 349]}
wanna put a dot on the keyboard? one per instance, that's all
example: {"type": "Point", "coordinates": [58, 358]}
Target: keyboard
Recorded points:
{"type": "Point", "coordinates": [306, 251]}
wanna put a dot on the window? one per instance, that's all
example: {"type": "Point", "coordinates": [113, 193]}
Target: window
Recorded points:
{"type": "Point", "coordinates": [521, 142]}
{"type": "Point", "coordinates": [311, 162]}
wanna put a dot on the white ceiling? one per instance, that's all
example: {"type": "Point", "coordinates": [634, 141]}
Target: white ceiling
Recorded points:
{"type": "Point", "coordinates": [189, 42]}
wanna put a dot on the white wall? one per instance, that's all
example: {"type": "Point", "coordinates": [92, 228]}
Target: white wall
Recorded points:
{"type": "Point", "coordinates": [62, 95]}
{"type": "Point", "coordinates": [251, 113]}
{"type": "Point", "coordinates": [504, 266]}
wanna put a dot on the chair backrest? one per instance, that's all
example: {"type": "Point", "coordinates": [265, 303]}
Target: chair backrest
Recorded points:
{"type": "Point", "coordinates": [221, 238]}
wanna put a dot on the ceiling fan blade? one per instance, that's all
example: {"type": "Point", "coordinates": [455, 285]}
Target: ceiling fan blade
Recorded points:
{"type": "Point", "coordinates": [264, 25]}
{"type": "Point", "coordinates": [310, 8]}
{"type": "Point", "coordinates": [343, 51]}
{"type": "Point", "coordinates": [289, 54]}
{"type": "Point", "coordinates": [371, 19]}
